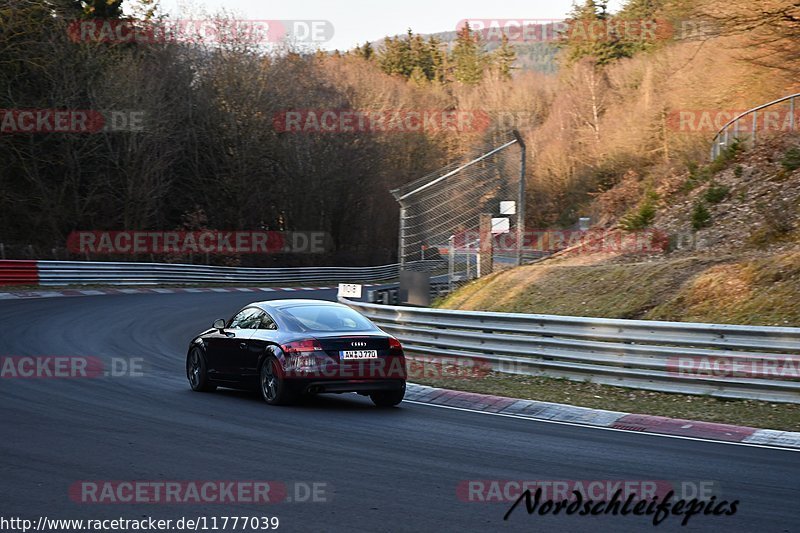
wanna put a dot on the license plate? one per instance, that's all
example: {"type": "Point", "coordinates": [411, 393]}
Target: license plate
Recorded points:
{"type": "Point", "coordinates": [357, 355]}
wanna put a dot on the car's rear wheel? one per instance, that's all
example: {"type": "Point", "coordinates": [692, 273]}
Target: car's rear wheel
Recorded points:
{"type": "Point", "coordinates": [197, 372]}
{"type": "Point", "coordinates": [274, 388]}
{"type": "Point", "coordinates": [388, 398]}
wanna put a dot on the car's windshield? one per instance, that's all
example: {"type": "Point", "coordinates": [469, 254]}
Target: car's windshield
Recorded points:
{"type": "Point", "coordinates": [329, 318]}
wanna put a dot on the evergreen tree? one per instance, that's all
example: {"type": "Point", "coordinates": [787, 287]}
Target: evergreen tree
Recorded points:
{"type": "Point", "coordinates": [504, 58]}
{"type": "Point", "coordinates": [420, 57]}
{"type": "Point", "coordinates": [641, 9]}
{"type": "Point", "coordinates": [641, 13]}
{"type": "Point", "coordinates": [412, 56]}
{"type": "Point", "coordinates": [438, 59]}
{"type": "Point", "coordinates": [587, 35]}
{"type": "Point", "coordinates": [418, 77]}
{"type": "Point", "coordinates": [395, 56]}
{"type": "Point", "coordinates": [468, 57]}
{"type": "Point", "coordinates": [366, 51]}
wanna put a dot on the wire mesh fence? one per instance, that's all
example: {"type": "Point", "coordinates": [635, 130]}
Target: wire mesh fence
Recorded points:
{"type": "Point", "coordinates": [440, 213]}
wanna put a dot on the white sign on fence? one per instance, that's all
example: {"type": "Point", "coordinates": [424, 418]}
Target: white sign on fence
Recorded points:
{"type": "Point", "coordinates": [349, 290]}
{"type": "Point", "coordinates": [500, 225]}
{"type": "Point", "coordinates": [508, 208]}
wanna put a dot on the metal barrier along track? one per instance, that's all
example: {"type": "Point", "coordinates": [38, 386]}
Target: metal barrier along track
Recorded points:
{"type": "Point", "coordinates": [18, 273]}
{"type": "Point", "coordinates": [54, 273]}
{"type": "Point", "coordinates": [732, 130]}
{"type": "Point", "coordinates": [731, 361]}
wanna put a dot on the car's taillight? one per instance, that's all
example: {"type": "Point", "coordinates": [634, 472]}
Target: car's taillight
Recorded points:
{"type": "Point", "coordinates": [394, 345]}
{"type": "Point", "coordinates": [310, 345]}
{"type": "Point", "coordinates": [303, 356]}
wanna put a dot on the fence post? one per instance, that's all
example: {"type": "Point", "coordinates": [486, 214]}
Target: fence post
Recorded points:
{"type": "Point", "coordinates": [487, 253]}
{"type": "Point", "coordinates": [469, 264]}
{"type": "Point", "coordinates": [521, 197]}
{"type": "Point", "coordinates": [755, 126]}
{"type": "Point", "coordinates": [452, 266]}
{"type": "Point", "coordinates": [402, 244]}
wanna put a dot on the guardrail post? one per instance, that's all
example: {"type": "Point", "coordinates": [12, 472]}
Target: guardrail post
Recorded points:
{"type": "Point", "coordinates": [755, 126]}
{"type": "Point", "coordinates": [791, 113]}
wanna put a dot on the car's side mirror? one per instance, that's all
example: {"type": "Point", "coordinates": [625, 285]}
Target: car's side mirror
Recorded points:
{"type": "Point", "coordinates": [219, 324]}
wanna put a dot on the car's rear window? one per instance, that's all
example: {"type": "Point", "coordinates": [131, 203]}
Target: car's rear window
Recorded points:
{"type": "Point", "coordinates": [329, 318]}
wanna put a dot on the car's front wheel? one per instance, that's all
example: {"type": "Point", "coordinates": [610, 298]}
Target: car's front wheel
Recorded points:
{"type": "Point", "coordinates": [197, 372]}
{"type": "Point", "coordinates": [274, 388]}
{"type": "Point", "coordinates": [388, 398]}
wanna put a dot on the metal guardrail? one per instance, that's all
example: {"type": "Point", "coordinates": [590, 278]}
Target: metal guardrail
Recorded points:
{"type": "Point", "coordinates": [631, 353]}
{"type": "Point", "coordinates": [723, 136]}
{"type": "Point", "coordinates": [55, 273]}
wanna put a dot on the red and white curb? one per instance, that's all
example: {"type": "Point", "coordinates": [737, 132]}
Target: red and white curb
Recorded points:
{"type": "Point", "coordinates": [556, 412]}
{"type": "Point", "coordinates": [25, 295]}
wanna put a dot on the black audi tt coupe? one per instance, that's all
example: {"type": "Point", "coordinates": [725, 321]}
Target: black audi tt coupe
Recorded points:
{"type": "Point", "coordinates": [287, 348]}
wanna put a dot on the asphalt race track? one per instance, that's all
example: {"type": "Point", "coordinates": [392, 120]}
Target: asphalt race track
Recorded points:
{"type": "Point", "coordinates": [383, 470]}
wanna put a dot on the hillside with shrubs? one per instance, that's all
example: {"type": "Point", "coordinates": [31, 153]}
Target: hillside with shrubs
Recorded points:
{"type": "Point", "coordinates": [732, 253]}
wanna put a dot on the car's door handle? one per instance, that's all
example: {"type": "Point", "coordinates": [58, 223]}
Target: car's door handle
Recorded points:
{"type": "Point", "coordinates": [242, 346]}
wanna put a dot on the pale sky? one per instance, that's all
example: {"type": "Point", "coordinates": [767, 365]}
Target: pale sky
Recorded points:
{"type": "Point", "coordinates": [356, 21]}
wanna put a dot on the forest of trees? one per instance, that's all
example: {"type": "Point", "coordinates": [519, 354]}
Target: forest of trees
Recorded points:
{"type": "Point", "coordinates": [209, 155]}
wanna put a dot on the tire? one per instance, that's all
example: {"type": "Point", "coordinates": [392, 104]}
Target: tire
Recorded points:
{"type": "Point", "coordinates": [388, 398]}
{"type": "Point", "coordinates": [197, 372]}
{"type": "Point", "coordinates": [274, 389]}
